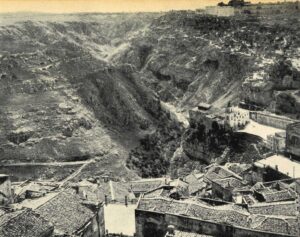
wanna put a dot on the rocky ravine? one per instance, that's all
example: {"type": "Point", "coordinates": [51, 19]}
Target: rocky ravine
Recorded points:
{"type": "Point", "coordinates": [76, 87]}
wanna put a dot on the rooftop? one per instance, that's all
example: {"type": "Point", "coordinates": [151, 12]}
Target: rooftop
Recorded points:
{"type": "Point", "coordinates": [278, 195]}
{"type": "Point", "coordinates": [229, 214]}
{"type": "Point", "coordinates": [276, 208]}
{"type": "Point", "coordinates": [220, 172]}
{"type": "Point", "coordinates": [145, 185]}
{"type": "Point", "coordinates": [229, 183]}
{"type": "Point", "coordinates": [281, 163]}
{"type": "Point", "coordinates": [24, 223]}
{"type": "Point", "coordinates": [66, 212]}
{"type": "Point", "coordinates": [195, 182]}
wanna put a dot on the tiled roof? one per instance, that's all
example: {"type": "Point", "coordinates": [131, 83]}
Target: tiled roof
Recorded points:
{"type": "Point", "coordinates": [164, 191]}
{"type": "Point", "coordinates": [219, 172]}
{"type": "Point", "coordinates": [195, 183]}
{"type": "Point", "coordinates": [238, 168]}
{"type": "Point", "coordinates": [25, 223]}
{"type": "Point", "coordinates": [274, 208]}
{"type": "Point", "coordinates": [229, 214]}
{"type": "Point", "coordinates": [285, 225]}
{"type": "Point", "coordinates": [155, 193]}
{"type": "Point", "coordinates": [119, 190]}
{"type": "Point", "coordinates": [229, 183]}
{"type": "Point", "coordinates": [146, 185]}
{"type": "Point", "coordinates": [65, 212]}
{"type": "Point", "coordinates": [275, 196]}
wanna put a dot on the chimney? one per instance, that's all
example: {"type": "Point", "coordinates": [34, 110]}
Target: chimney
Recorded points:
{"type": "Point", "coordinates": [105, 200]}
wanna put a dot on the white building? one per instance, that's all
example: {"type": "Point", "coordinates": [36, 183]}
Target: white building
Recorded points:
{"type": "Point", "coordinates": [236, 117]}
{"type": "Point", "coordinates": [220, 11]}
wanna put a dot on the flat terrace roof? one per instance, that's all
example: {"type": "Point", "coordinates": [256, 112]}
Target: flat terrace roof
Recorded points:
{"type": "Point", "coordinates": [281, 163]}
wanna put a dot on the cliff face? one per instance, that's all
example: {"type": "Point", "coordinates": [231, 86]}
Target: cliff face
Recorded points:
{"type": "Point", "coordinates": [188, 58]}
{"type": "Point", "coordinates": [62, 98]}
{"type": "Point", "coordinates": [79, 86]}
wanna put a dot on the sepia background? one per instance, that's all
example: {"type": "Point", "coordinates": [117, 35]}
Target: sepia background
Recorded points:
{"type": "Point", "coordinates": [67, 6]}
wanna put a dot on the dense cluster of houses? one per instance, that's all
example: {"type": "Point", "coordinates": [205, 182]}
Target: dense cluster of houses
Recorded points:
{"type": "Point", "coordinates": [222, 200]}
{"type": "Point", "coordinates": [233, 199]}
{"type": "Point", "coordinates": [228, 200]}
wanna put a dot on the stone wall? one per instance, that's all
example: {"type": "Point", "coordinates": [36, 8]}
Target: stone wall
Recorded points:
{"type": "Point", "coordinates": [293, 139]}
{"type": "Point", "coordinates": [271, 119]}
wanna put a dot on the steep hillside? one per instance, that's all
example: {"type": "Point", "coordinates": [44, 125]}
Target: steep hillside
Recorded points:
{"type": "Point", "coordinates": [79, 86]}
{"type": "Point", "coordinates": [190, 58]}
{"type": "Point", "coordinates": [62, 99]}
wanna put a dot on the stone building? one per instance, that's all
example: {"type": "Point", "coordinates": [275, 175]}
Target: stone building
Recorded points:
{"type": "Point", "coordinates": [154, 215]}
{"type": "Point", "coordinates": [236, 117]}
{"type": "Point", "coordinates": [293, 139]}
{"type": "Point", "coordinates": [5, 190]}
{"type": "Point", "coordinates": [224, 188]}
{"type": "Point", "coordinates": [276, 142]}
{"type": "Point", "coordinates": [208, 117]}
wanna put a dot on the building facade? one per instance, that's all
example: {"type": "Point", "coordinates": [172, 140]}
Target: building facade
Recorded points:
{"type": "Point", "coordinates": [293, 139]}
{"type": "Point", "coordinates": [236, 117]}
{"type": "Point", "coordinates": [225, 11]}
{"type": "Point", "coordinates": [276, 142]}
